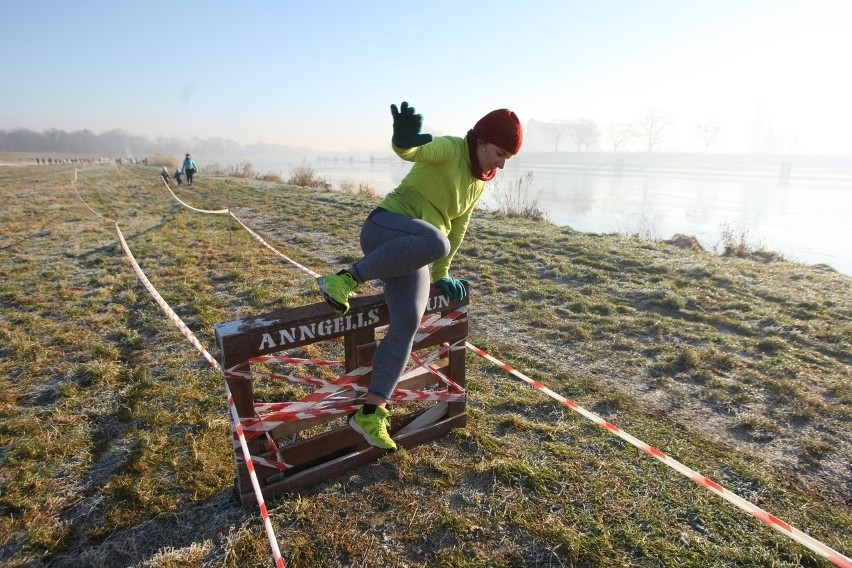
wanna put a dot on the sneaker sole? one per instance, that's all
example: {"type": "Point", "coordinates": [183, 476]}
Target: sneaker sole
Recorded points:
{"type": "Point", "coordinates": [342, 308]}
{"type": "Point", "coordinates": [354, 426]}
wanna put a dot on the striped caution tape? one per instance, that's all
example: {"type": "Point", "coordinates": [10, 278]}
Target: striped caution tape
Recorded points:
{"type": "Point", "coordinates": [273, 249]}
{"type": "Point", "coordinates": [774, 522]}
{"type": "Point", "coordinates": [178, 199]}
{"type": "Point", "coordinates": [427, 364]}
{"type": "Point", "coordinates": [217, 211]}
{"type": "Point", "coordinates": [80, 197]}
{"type": "Point", "coordinates": [264, 513]}
{"type": "Point", "coordinates": [340, 393]}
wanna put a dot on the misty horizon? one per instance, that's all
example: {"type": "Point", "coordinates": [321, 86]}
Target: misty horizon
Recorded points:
{"type": "Point", "coordinates": [119, 142]}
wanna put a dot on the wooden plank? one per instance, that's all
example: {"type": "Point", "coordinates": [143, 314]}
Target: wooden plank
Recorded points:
{"type": "Point", "coordinates": [457, 331]}
{"type": "Point", "coordinates": [456, 371]}
{"type": "Point", "coordinates": [242, 391]}
{"type": "Point", "coordinates": [420, 378]}
{"type": "Point", "coordinates": [431, 416]}
{"type": "Point", "coordinates": [337, 440]}
{"type": "Point", "coordinates": [358, 458]}
{"type": "Point", "coordinates": [290, 428]}
{"type": "Point", "coordinates": [240, 340]}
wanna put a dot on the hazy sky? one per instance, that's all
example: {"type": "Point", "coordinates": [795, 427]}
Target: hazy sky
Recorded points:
{"type": "Point", "coordinates": [323, 73]}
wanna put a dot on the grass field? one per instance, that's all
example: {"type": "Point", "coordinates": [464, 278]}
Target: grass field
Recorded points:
{"type": "Point", "coordinates": [115, 445]}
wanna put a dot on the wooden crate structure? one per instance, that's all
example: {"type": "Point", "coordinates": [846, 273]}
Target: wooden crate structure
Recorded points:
{"type": "Point", "coordinates": [284, 459]}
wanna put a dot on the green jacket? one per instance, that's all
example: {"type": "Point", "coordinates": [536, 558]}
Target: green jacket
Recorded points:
{"type": "Point", "coordinates": [440, 189]}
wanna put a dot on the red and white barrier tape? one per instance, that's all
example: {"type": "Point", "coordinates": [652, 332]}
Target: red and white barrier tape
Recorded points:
{"type": "Point", "coordinates": [427, 364]}
{"type": "Point", "coordinates": [342, 392]}
{"type": "Point", "coordinates": [74, 187]}
{"type": "Point", "coordinates": [264, 513]}
{"type": "Point", "coordinates": [217, 211]}
{"type": "Point", "coordinates": [774, 522]}
{"type": "Point", "coordinates": [270, 247]}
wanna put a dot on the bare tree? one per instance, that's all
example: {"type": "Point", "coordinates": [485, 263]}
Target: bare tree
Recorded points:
{"type": "Point", "coordinates": [556, 131]}
{"type": "Point", "coordinates": [764, 135]}
{"type": "Point", "coordinates": [708, 132]}
{"type": "Point", "coordinates": [655, 127]}
{"type": "Point", "coordinates": [618, 133]}
{"type": "Point", "coordinates": [584, 132]}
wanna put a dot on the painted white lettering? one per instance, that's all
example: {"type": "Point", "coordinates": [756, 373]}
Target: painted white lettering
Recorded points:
{"type": "Point", "coordinates": [266, 342]}
{"type": "Point", "coordinates": [438, 302]}
{"type": "Point", "coordinates": [307, 332]}
{"type": "Point", "coordinates": [335, 326]}
{"type": "Point", "coordinates": [287, 335]}
{"type": "Point", "coordinates": [325, 327]}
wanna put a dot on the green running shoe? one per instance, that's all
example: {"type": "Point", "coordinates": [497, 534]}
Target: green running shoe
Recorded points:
{"type": "Point", "coordinates": [374, 428]}
{"type": "Point", "coordinates": [337, 288]}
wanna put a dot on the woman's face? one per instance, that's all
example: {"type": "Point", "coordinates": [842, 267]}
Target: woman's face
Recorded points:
{"type": "Point", "coordinates": [491, 157]}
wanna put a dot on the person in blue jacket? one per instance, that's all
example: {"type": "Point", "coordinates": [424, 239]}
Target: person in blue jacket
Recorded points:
{"type": "Point", "coordinates": [189, 168]}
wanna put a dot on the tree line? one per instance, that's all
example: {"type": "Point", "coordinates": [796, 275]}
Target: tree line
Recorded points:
{"type": "Point", "coordinates": [109, 143]}
{"type": "Point", "coordinates": [560, 135]}
{"type": "Point", "coordinates": [584, 134]}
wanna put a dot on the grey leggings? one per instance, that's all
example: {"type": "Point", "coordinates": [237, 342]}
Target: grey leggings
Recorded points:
{"type": "Point", "coordinates": [398, 251]}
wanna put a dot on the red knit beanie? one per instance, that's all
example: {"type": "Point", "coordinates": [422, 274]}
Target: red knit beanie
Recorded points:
{"type": "Point", "coordinates": [502, 128]}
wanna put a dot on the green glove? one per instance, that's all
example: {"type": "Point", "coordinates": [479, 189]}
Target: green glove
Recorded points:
{"type": "Point", "coordinates": [455, 288]}
{"type": "Point", "coordinates": [406, 127]}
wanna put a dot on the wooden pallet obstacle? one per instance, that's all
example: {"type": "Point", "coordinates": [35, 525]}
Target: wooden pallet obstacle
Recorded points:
{"type": "Point", "coordinates": [429, 400]}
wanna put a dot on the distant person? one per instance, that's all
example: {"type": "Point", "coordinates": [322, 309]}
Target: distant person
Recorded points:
{"type": "Point", "coordinates": [422, 222]}
{"type": "Point", "coordinates": [189, 168]}
{"type": "Point", "coordinates": [165, 175]}
{"type": "Point", "coordinates": [178, 176]}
